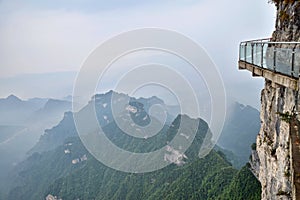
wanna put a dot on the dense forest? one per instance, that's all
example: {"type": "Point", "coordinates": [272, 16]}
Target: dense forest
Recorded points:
{"type": "Point", "coordinates": [55, 172]}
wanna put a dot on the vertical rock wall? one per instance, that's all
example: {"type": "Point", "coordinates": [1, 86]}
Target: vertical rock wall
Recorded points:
{"type": "Point", "coordinates": [287, 26]}
{"type": "Point", "coordinates": [272, 158]}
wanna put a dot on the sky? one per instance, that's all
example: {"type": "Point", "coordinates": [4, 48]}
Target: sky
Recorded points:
{"type": "Point", "coordinates": [44, 43]}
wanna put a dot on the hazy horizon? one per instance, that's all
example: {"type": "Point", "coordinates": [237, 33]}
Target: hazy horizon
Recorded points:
{"type": "Point", "coordinates": [45, 43]}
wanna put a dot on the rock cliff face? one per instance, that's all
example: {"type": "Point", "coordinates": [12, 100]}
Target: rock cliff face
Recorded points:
{"type": "Point", "coordinates": [287, 26]}
{"type": "Point", "coordinates": [272, 161]}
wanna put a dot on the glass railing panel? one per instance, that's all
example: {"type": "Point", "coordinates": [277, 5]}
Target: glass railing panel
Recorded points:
{"type": "Point", "coordinates": [257, 55]}
{"type": "Point", "coordinates": [248, 53]}
{"type": "Point", "coordinates": [283, 61]}
{"type": "Point", "coordinates": [242, 52]}
{"type": "Point", "coordinates": [268, 57]}
{"type": "Point", "coordinates": [297, 63]}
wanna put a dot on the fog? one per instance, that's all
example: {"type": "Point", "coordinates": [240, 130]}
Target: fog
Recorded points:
{"type": "Point", "coordinates": [42, 38]}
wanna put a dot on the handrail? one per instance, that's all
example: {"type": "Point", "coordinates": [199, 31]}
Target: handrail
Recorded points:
{"type": "Point", "coordinates": [268, 41]}
{"type": "Point", "coordinates": [257, 40]}
{"type": "Point", "coordinates": [280, 60]}
{"type": "Point", "coordinates": [280, 42]}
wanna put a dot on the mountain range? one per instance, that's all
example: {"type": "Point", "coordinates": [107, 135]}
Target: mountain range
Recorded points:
{"type": "Point", "coordinates": [71, 172]}
{"type": "Point", "coordinates": [22, 122]}
{"type": "Point", "coordinates": [59, 165]}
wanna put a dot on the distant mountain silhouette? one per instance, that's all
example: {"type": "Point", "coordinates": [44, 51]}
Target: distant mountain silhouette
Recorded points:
{"type": "Point", "coordinates": [52, 112]}
{"type": "Point", "coordinates": [39, 102]}
{"type": "Point", "coordinates": [21, 124]}
{"type": "Point", "coordinates": [240, 130]}
{"type": "Point", "coordinates": [15, 111]}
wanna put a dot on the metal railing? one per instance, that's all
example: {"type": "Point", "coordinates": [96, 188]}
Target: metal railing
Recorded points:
{"type": "Point", "coordinates": [280, 57]}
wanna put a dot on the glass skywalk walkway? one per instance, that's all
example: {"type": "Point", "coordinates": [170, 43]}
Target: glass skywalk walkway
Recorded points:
{"type": "Point", "coordinates": [278, 57]}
